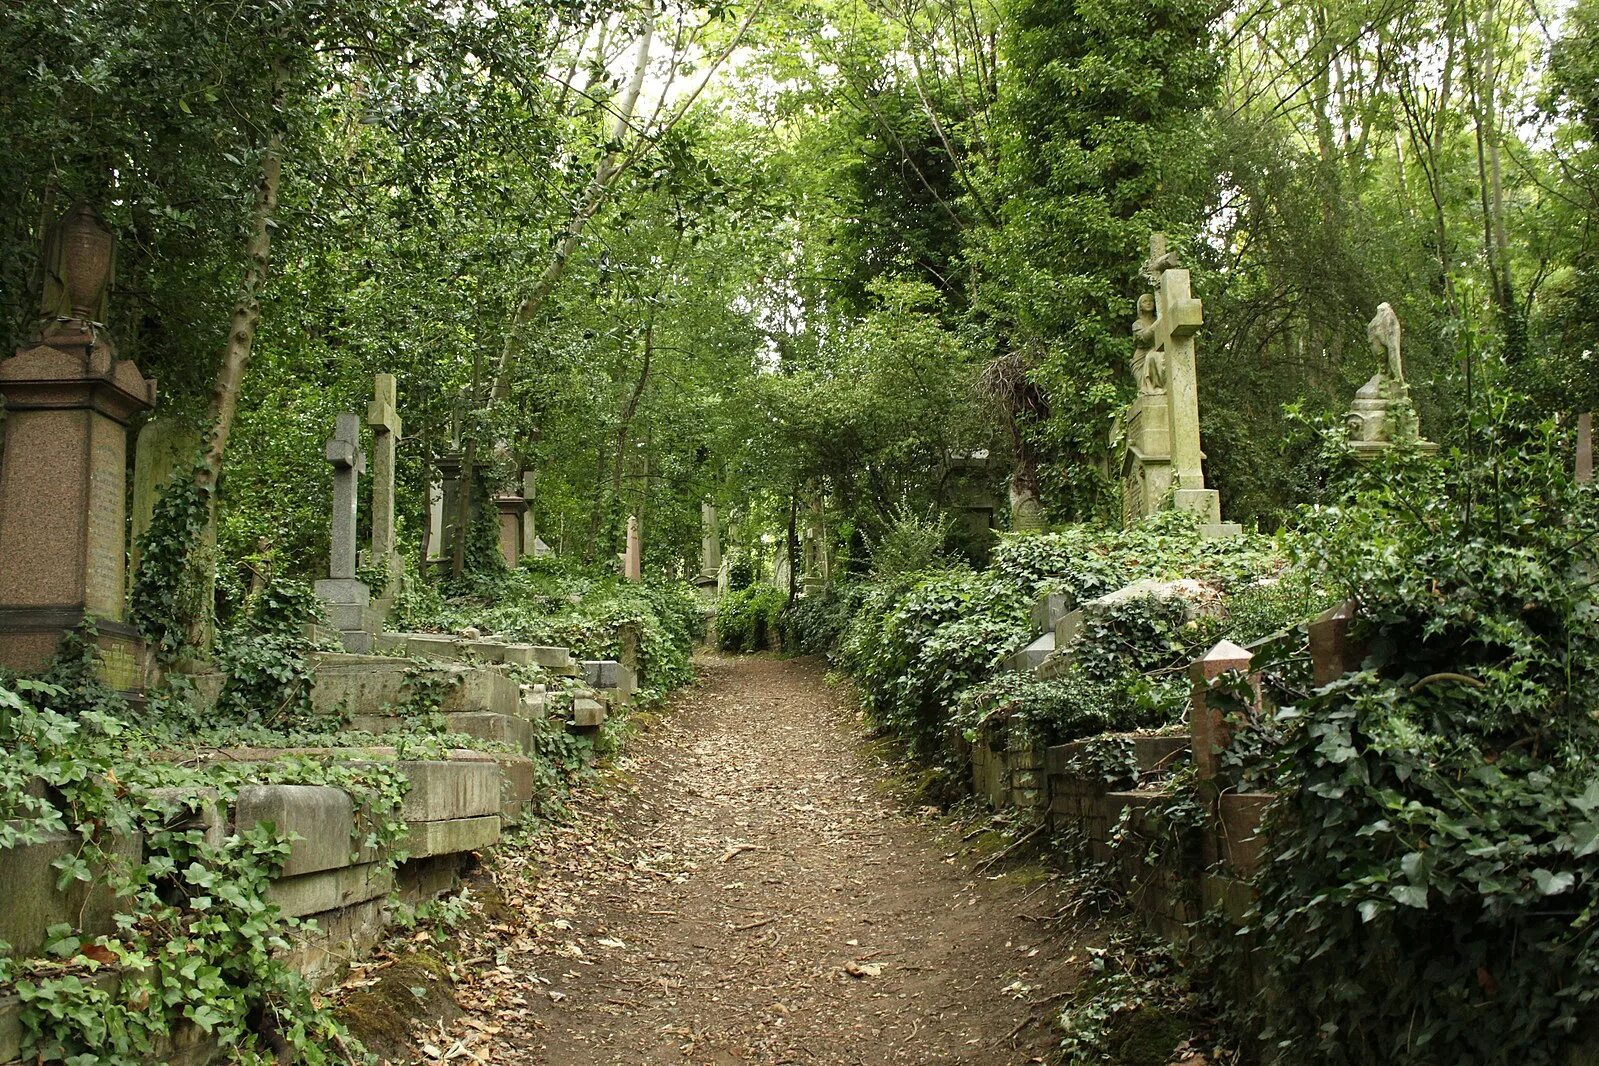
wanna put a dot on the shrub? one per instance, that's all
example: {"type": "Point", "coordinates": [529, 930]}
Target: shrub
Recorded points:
{"type": "Point", "coordinates": [747, 620]}
{"type": "Point", "coordinates": [1430, 887]}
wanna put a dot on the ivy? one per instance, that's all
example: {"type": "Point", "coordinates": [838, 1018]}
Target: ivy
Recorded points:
{"type": "Point", "coordinates": [169, 597]}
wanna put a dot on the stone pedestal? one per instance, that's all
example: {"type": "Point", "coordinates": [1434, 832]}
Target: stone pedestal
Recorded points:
{"type": "Point", "coordinates": [513, 515]}
{"type": "Point", "coordinates": [633, 557]}
{"type": "Point", "coordinates": [63, 508]}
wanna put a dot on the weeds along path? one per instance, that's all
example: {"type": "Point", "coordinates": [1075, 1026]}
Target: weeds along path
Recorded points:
{"type": "Point", "coordinates": [746, 888]}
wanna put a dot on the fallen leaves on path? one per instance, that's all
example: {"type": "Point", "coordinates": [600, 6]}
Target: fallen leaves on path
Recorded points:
{"type": "Point", "coordinates": [743, 888]}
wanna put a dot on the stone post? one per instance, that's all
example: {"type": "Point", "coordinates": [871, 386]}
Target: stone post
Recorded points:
{"type": "Point", "coordinates": [347, 597]}
{"type": "Point", "coordinates": [1584, 471]}
{"type": "Point", "coordinates": [384, 419]}
{"type": "Point", "coordinates": [63, 505]}
{"type": "Point", "coordinates": [710, 541]}
{"type": "Point", "coordinates": [1332, 653]}
{"type": "Point", "coordinates": [530, 539]}
{"type": "Point", "coordinates": [633, 559]}
{"type": "Point", "coordinates": [435, 521]}
{"type": "Point", "coordinates": [1211, 733]}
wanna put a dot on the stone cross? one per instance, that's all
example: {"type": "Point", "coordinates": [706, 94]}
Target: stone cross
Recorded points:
{"type": "Point", "coordinates": [633, 560]}
{"type": "Point", "coordinates": [710, 541]}
{"type": "Point", "coordinates": [349, 463]}
{"type": "Point", "coordinates": [1178, 317]}
{"type": "Point", "coordinates": [385, 423]}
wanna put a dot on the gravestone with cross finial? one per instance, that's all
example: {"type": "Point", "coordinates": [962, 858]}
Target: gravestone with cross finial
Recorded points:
{"type": "Point", "coordinates": [347, 597]}
{"type": "Point", "coordinates": [1164, 464]}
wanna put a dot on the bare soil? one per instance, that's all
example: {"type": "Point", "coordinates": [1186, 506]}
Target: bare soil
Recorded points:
{"type": "Point", "coordinates": [748, 886]}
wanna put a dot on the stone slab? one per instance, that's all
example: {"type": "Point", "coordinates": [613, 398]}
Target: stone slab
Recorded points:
{"type": "Point", "coordinates": [608, 674]}
{"type": "Point", "coordinates": [487, 688]}
{"type": "Point", "coordinates": [343, 590]}
{"type": "Point", "coordinates": [444, 790]}
{"type": "Point", "coordinates": [208, 819]}
{"type": "Point", "coordinates": [451, 837]}
{"type": "Point", "coordinates": [327, 890]}
{"type": "Point", "coordinates": [558, 660]}
{"type": "Point", "coordinates": [32, 903]}
{"type": "Point", "coordinates": [516, 787]}
{"type": "Point", "coordinates": [322, 817]}
{"type": "Point", "coordinates": [1031, 657]}
{"type": "Point", "coordinates": [435, 646]}
{"type": "Point", "coordinates": [487, 725]}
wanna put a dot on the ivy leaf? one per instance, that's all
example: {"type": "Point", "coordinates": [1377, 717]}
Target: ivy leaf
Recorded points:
{"type": "Point", "coordinates": [1552, 884]}
{"type": "Point", "coordinates": [1410, 895]}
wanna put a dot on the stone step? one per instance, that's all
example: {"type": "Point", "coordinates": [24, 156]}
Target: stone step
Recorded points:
{"type": "Point", "coordinates": [487, 725]}
{"type": "Point", "coordinates": [452, 837]}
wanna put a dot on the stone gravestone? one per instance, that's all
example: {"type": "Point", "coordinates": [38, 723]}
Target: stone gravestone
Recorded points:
{"type": "Point", "coordinates": [382, 416]}
{"type": "Point", "coordinates": [818, 562]}
{"type": "Point", "coordinates": [1382, 415]}
{"type": "Point", "coordinates": [633, 558]}
{"type": "Point", "coordinates": [63, 503]}
{"type": "Point", "coordinates": [347, 597]}
{"type": "Point", "coordinates": [1163, 461]}
{"type": "Point", "coordinates": [435, 521]}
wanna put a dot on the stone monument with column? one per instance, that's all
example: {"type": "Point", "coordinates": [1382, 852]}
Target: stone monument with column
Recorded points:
{"type": "Point", "coordinates": [63, 477]}
{"type": "Point", "coordinates": [348, 598]}
{"type": "Point", "coordinates": [1163, 464]}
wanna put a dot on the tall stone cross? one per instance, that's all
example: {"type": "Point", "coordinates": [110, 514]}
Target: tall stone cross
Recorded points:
{"type": "Point", "coordinates": [349, 463]}
{"type": "Point", "coordinates": [385, 422]}
{"type": "Point", "coordinates": [1178, 317]}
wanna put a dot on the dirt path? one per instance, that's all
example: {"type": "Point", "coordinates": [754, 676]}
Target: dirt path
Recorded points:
{"type": "Point", "coordinates": [745, 889]}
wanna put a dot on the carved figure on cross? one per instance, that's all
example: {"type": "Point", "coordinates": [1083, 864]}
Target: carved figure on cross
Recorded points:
{"type": "Point", "coordinates": [1170, 338]}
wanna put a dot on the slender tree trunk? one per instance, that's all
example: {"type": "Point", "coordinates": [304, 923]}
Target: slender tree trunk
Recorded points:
{"type": "Point", "coordinates": [235, 359]}
{"type": "Point", "coordinates": [593, 196]}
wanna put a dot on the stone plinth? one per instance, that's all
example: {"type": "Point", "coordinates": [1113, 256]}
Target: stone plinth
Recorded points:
{"type": "Point", "coordinates": [633, 558]}
{"type": "Point", "coordinates": [63, 508]}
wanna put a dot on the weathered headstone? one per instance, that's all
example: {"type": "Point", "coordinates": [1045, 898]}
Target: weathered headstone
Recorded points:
{"type": "Point", "coordinates": [348, 598]}
{"type": "Point", "coordinates": [63, 505]}
{"type": "Point", "coordinates": [449, 502]}
{"type": "Point", "coordinates": [1382, 415]}
{"type": "Point", "coordinates": [1164, 459]}
{"type": "Point", "coordinates": [633, 558]}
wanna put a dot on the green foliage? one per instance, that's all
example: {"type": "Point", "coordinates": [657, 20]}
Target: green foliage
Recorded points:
{"type": "Point", "coordinates": [747, 620]}
{"type": "Point", "coordinates": [1427, 896]}
{"type": "Point", "coordinates": [1132, 1010]}
{"type": "Point", "coordinates": [197, 939]}
{"type": "Point", "coordinates": [912, 543]}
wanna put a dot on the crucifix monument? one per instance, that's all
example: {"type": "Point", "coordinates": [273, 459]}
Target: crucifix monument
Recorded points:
{"type": "Point", "coordinates": [347, 596]}
{"type": "Point", "coordinates": [1164, 461]}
